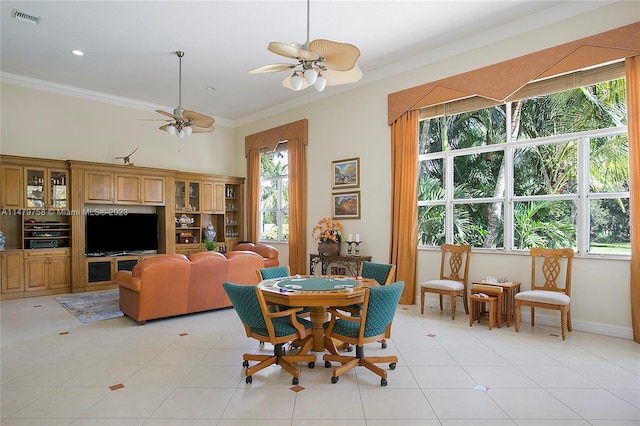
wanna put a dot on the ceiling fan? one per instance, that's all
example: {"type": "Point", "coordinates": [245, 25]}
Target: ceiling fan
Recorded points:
{"type": "Point", "coordinates": [183, 121]}
{"type": "Point", "coordinates": [320, 63]}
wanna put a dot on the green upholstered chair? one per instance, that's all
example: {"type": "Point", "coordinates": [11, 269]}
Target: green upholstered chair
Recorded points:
{"type": "Point", "coordinates": [381, 272]}
{"type": "Point", "coordinates": [378, 310]}
{"type": "Point", "coordinates": [273, 272]}
{"type": "Point", "coordinates": [276, 328]}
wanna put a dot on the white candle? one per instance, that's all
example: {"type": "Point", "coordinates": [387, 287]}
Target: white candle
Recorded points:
{"type": "Point", "coordinates": [357, 237]}
{"type": "Point", "coordinates": [350, 237]}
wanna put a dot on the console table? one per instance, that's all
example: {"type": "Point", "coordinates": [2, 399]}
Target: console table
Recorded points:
{"type": "Point", "coordinates": [351, 263]}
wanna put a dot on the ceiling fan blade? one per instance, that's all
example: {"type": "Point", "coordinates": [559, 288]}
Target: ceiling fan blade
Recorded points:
{"type": "Point", "coordinates": [289, 51]}
{"type": "Point", "coordinates": [273, 68]}
{"type": "Point", "coordinates": [198, 119]}
{"type": "Point", "coordinates": [197, 129]}
{"type": "Point", "coordinates": [287, 83]}
{"type": "Point", "coordinates": [338, 56]}
{"type": "Point", "coordinates": [336, 78]}
{"type": "Point", "coordinates": [168, 114]}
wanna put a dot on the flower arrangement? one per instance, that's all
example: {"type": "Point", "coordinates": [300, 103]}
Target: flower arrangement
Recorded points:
{"type": "Point", "coordinates": [327, 231]}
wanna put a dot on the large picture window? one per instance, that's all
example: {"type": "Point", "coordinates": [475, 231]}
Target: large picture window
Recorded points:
{"type": "Point", "coordinates": [274, 195]}
{"type": "Point", "coordinates": [547, 170]}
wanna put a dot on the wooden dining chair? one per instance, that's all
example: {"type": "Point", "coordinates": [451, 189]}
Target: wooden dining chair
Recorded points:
{"type": "Point", "coordinates": [276, 328]}
{"type": "Point", "coordinates": [454, 277]}
{"type": "Point", "coordinates": [550, 286]}
{"type": "Point", "coordinates": [378, 309]}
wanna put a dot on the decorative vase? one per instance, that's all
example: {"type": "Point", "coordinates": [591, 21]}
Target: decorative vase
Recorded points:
{"type": "Point", "coordinates": [329, 249]}
{"type": "Point", "coordinates": [209, 232]}
{"type": "Point", "coordinates": [3, 240]}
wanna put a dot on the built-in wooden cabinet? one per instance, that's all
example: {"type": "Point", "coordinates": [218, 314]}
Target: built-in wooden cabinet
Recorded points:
{"type": "Point", "coordinates": [124, 189]}
{"type": "Point", "coordinates": [134, 189]}
{"type": "Point", "coordinates": [233, 214]}
{"type": "Point", "coordinates": [12, 272]}
{"type": "Point", "coordinates": [213, 197]}
{"type": "Point", "coordinates": [99, 187]}
{"type": "Point", "coordinates": [47, 270]}
{"type": "Point", "coordinates": [46, 204]}
{"type": "Point", "coordinates": [11, 190]}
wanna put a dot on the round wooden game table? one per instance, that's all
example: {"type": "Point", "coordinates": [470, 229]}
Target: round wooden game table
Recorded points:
{"type": "Point", "coordinates": [316, 293]}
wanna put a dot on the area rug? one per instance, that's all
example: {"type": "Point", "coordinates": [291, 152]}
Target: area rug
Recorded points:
{"type": "Point", "coordinates": [92, 306]}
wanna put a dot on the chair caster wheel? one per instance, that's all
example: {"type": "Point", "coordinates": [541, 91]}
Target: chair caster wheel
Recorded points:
{"type": "Point", "coordinates": [334, 379]}
{"type": "Point", "coordinates": [327, 364]}
{"type": "Point", "coordinates": [384, 346]}
{"type": "Point", "coordinates": [311, 364]}
{"type": "Point", "coordinates": [245, 363]}
{"type": "Point", "coordinates": [392, 366]}
{"type": "Point", "coordinates": [295, 381]}
{"type": "Point", "coordinates": [383, 382]}
{"type": "Point", "coordinates": [349, 348]}
{"type": "Point", "coordinates": [249, 379]}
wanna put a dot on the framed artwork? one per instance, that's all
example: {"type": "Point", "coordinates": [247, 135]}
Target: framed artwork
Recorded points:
{"type": "Point", "coordinates": [345, 173]}
{"type": "Point", "coordinates": [346, 205]}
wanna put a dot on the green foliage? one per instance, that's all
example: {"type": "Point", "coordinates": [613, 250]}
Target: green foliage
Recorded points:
{"type": "Point", "coordinates": [545, 169]}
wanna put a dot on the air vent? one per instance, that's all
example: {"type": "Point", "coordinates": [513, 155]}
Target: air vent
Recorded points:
{"type": "Point", "coordinates": [23, 16]}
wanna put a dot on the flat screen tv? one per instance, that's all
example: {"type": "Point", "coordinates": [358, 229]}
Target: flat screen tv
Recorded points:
{"type": "Point", "coordinates": [121, 234]}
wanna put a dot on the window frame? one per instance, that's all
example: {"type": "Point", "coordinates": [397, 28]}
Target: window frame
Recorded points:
{"type": "Point", "coordinates": [279, 210]}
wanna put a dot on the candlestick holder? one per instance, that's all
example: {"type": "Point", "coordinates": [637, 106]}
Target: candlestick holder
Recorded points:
{"type": "Point", "coordinates": [349, 247]}
{"type": "Point", "coordinates": [357, 243]}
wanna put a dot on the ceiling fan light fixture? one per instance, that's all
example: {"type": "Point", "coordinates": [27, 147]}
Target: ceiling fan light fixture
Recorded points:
{"type": "Point", "coordinates": [320, 83]}
{"type": "Point", "coordinates": [181, 133]}
{"type": "Point", "coordinates": [188, 130]}
{"type": "Point", "coordinates": [296, 81]}
{"type": "Point", "coordinates": [171, 130]}
{"type": "Point", "coordinates": [311, 75]}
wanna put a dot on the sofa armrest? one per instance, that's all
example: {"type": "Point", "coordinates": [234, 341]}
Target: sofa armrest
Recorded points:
{"type": "Point", "coordinates": [127, 280]}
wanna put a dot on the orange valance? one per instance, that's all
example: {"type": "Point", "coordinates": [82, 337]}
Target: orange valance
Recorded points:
{"type": "Point", "coordinates": [270, 138]}
{"type": "Point", "coordinates": [499, 81]}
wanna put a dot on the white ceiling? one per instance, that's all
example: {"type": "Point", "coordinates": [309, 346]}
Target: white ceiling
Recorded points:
{"type": "Point", "coordinates": [129, 45]}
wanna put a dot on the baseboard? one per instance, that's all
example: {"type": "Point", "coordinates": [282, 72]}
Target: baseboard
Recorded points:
{"type": "Point", "coordinates": [586, 326]}
{"type": "Point", "coordinates": [550, 320]}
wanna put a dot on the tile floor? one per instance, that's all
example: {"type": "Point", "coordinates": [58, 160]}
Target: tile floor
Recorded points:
{"type": "Point", "coordinates": [187, 371]}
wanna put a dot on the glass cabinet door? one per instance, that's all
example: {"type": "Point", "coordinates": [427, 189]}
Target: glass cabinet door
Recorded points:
{"type": "Point", "coordinates": [194, 196]}
{"type": "Point", "coordinates": [181, 202]}
{"type": "Point", "coordinates": [58, 188]}
{"type": "Point", "coordinates": [35, 196]}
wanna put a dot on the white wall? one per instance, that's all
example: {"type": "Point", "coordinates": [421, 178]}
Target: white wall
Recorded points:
{"type": "Point", "coordinates": [350, 124]}
{"type": "Point", "coordinates": [49, 125]}
{"type": "Point", "coordinates": [354, 124]}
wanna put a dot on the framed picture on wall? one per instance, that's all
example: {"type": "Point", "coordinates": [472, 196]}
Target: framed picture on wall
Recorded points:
{"type": "Point", "coordinates": [346, 205]}
{"type": "Point", "coordinates": [345, 173]}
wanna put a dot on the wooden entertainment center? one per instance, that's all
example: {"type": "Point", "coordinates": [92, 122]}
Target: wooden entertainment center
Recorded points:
{"type": "Point", "coordinates": [44, 205]}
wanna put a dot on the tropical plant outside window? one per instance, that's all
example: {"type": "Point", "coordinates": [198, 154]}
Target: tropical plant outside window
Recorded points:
{"type": "Point", "coordinates": [547, 171]}
{"type": "Point", "coordinates": [274, 195]}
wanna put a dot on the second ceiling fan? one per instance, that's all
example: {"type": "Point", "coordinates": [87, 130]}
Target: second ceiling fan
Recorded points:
{"type": "Point", "coordinates": [320, 63]}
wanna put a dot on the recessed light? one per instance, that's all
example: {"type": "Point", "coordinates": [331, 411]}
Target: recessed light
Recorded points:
{"type": "Point", "coordinates": [77, 52]}
{"type": "Point", "coordinates": [211, 88]}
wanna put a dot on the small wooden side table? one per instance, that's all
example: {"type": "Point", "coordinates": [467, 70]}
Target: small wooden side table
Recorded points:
{"type": "Point", "coordinates": [495, 308]}
{"type": "Point", "coordinates": [511, 289]}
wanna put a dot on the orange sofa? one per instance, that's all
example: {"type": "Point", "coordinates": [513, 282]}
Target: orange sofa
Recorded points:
{"type": "Point", "coordinates": [173, 284]}
{"type": "Point", "coordinates": [269, 253]}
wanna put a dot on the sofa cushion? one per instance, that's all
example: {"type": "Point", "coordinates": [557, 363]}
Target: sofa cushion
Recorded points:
{"type": "Point", "coordinates": [243, 266]}
{"type": "Point", "coordinates": [209, 271]}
